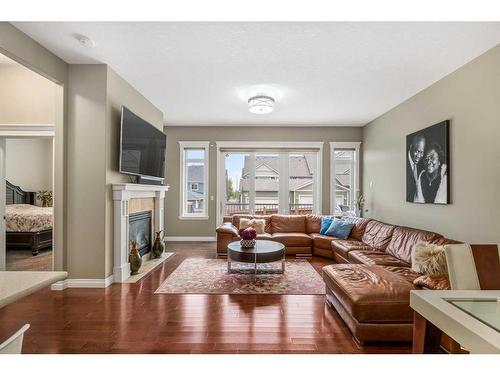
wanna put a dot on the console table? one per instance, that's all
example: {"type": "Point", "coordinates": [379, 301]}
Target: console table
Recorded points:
{"type": "Point", "coordinates": [470, 317]}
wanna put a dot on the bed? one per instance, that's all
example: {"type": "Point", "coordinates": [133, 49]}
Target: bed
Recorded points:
{"type": "Point", "coordinates": [27, 226]}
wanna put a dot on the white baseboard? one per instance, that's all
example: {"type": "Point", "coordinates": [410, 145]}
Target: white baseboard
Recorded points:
{"type": "Point", "coordinates": [190, 239]}
{"type": "Point", "coordinates": [82, 283]}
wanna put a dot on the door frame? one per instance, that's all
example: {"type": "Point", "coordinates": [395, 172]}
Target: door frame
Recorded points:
{"type": "Point", "coordinates": [28, 131]}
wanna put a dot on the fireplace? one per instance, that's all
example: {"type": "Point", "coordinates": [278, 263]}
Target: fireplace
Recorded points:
{"type": "Point", "coordinates": [129, 199]}
{"type": "Point", "coordinates": [140, 230]}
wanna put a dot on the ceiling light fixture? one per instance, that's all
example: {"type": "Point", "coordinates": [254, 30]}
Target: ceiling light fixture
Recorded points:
{"type": "Point", "coordinates": [85, 41]}
{"type": "Point", "coordinates": [261, 104]}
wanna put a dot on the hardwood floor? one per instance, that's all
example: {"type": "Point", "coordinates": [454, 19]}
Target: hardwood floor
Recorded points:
{"type": "Point", "coordinates": [23, 260]}
{"type": "Point", "coordinates": [129, 318]}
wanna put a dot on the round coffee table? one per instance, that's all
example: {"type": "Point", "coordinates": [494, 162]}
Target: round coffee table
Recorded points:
{"type": "Point", "coordinates": [263, 252]}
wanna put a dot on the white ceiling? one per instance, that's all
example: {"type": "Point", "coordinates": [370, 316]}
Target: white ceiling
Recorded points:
{"type": "Point", "coordinates": [327, 74]}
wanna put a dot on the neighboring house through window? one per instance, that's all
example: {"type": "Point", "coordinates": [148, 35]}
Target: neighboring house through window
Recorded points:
{"type": "Point", "coordinates": [194, 180]}
{"type": "Point", "coordinates": [344, 161]}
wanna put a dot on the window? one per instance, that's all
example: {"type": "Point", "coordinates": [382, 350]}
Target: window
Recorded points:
{"type": "Point", "coordinates": [194, 180]}
{"type": "Point", "coordinates": [266, 178]}
{"type": "Point", "coordinates": [344, 177]}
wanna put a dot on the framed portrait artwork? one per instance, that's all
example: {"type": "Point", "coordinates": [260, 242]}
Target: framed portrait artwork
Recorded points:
{"type": "Point", "coordinates": [428, 165]}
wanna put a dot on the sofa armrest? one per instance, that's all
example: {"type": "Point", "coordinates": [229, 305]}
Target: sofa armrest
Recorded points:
{"type": "Point", "coordinates": [228, 228]}
{"type": "Point", "coordinates": [433, 282]}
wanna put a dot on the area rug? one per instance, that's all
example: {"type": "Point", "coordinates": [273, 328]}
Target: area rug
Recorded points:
{"type": "Point", "coordinates": [210, 276]}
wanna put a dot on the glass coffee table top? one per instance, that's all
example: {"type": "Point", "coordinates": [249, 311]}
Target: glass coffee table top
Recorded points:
{"type": "Point", "coordinates": [484, 310]}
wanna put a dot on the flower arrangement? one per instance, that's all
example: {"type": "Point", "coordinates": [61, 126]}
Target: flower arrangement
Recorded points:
{"type": "Point", "coordinates": [359, 202]}
{"type": "Point", "coordinates": [248, 236]}
{"type": "Point", "coordinates": [45, 196]}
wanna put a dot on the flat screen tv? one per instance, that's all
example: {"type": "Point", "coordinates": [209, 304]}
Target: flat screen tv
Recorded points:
{"type": "Point", "coordinates": [142, 147]}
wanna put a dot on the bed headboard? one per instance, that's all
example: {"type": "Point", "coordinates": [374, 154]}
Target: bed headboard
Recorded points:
{"type": "Point", "coordinates": [15, 195]}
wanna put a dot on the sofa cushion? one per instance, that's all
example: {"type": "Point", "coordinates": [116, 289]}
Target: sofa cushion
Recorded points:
{"type": "Point", "coordinates": [372, 294]}
{"type": "Point", "coordinates": [265, 236]}
{"type": "Point", "coordinates": [343, 247]}
{"type": "Point", "coordinates": [359, 226]}
{"type": "Point", "coordinates": [288, 224]}
{"type": "Point", "coordinates": [293, 239]}
{"type": "Point", "coordinates": [313, 223]}
{"type": "Point", "coordinates": [321, 241]}
{"type": "Point", "coordinates": [375, 258]}
{"type": "Point", "coordinates": [403, 239]}
{"type": "Point", "coordinates": [340, 229]}
{"type": "Point", "coordinates": [377, 234]}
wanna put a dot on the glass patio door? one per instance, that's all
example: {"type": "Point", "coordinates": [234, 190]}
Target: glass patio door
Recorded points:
{"type": "Point", "coordinates": [268, 182]}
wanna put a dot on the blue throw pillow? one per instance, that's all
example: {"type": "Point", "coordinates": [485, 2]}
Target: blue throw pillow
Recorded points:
{"type": "Point", "coordinates": [326, 221]}
{"type": "Point", "coordinates": [340, 229]}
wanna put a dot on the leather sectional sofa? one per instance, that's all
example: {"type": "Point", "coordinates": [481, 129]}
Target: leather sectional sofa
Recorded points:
{"type": "Point", "coordinates": [370, 285]}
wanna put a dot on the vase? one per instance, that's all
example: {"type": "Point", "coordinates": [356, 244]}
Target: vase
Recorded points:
{"type": "Point", "coordinates": [247, 244]}
{"type": "Point", "coordinates": [158, 247]}
{"type": "Point", "coordinates": [134, 258]}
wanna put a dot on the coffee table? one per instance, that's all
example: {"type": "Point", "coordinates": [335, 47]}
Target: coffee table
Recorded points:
{"type": "Point", "coordinates": [263, 252]}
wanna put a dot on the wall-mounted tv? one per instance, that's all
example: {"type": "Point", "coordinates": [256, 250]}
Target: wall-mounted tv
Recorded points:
{"type": "Point", "coordinates": [142, 147]}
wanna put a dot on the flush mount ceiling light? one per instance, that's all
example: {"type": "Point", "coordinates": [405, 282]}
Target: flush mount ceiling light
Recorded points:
{"type": "Point", "coordinates": [85, 41]}
{"type": "Point", "coordinates": [261, 104]}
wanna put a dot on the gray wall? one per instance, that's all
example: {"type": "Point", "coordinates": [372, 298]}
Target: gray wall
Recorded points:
{"type": "Point", "coordinates": [176, 227]}
{"type": "Point", "coordinates": [470, 98]}
{"type": "Point", "coordinates": [120, 92]}
{"type": "Point", "coordinates": [86, 188]}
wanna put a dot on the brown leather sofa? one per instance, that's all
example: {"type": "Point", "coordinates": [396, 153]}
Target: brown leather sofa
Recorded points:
{"type": "Point", "coordinates": [296, 232]}
{"type": "Point", "coordinates": [370, 285]}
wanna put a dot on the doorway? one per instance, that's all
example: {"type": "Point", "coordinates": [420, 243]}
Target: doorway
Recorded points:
{"type": "Point", "coordinates": [31, 177]}
{"type": "Point", "coordinates": [28, 210]}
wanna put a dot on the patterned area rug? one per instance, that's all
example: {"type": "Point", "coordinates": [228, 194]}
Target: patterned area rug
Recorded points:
{"type": "Point", "coordinates": [209, 276]}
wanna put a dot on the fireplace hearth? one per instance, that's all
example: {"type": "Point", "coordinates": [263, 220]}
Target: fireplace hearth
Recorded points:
{"type": "Point", "coordinates": [140, 230]}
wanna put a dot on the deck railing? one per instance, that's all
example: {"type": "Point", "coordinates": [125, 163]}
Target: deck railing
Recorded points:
{"type": "Point", "coordinates": [267, 208]}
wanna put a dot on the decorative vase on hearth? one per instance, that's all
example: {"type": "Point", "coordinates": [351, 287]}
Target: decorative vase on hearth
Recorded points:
{"type": "Point", "coordinates": [158, 247]}
{"type": "Point", "coordinates": [247, 244]}
{"type": "Point", "coordinates": [134, 258]}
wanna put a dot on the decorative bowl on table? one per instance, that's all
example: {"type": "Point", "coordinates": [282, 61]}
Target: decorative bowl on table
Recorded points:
{"type": "Point", "coordinates": [247, 238]}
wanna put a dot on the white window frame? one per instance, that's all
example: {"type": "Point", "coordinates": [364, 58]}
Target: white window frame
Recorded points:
{"type": "Point", "coordinates": [266, 146]}
{"type": "Point", "coordinates": [343, 145]}
{"type": "Point", "coordinates": [194, 186]}
{"type": "Point", "coordinates": [196, 145]}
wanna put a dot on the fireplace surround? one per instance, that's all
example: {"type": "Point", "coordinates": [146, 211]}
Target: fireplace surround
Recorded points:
{"type": "Point", "coordinates": [122, 194]}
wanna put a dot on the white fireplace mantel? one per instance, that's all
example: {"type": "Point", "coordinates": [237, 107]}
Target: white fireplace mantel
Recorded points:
{"type": "Point", "coordinates": [122, 193]}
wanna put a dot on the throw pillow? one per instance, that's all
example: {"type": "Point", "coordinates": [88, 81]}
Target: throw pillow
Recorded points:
{"type": "Point", "coordinates": [258, 224]}
{"type": "Point", "coordinates": [434, 282]}
{"type": "Point", "coordinates": [326, 221]}
{"type": "Point", "coordinates": [340, 229]}
{"type": "Point", "coordinates": [428, 259]}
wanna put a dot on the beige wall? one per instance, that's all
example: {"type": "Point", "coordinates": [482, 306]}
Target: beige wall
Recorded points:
{"type": "Point", "coordinates": [28, 163]}
{"type": "Point", "coordinates": [26, 97]}
{"type": "Point", "coordinates": [470, 98]}
{"type": "Point", "coordinates": [176, 227]}
{"type": "Point", "coordinates": [120, 92]}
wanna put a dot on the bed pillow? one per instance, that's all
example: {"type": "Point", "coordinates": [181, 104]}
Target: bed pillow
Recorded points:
{"type": "Point", "coordinates": [326, 221]}
{"type": "Point", "coordinates": [339, 229]}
